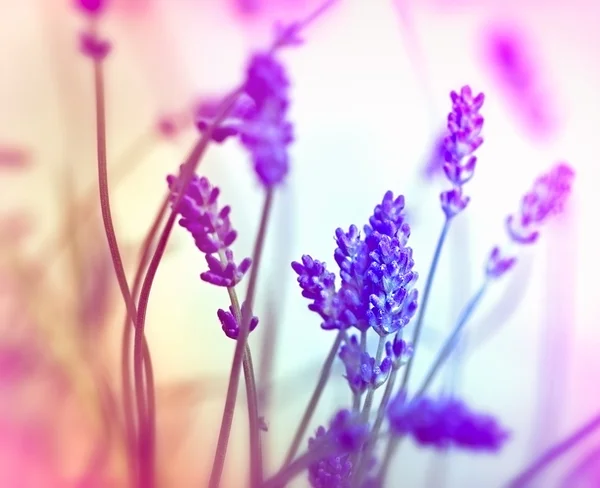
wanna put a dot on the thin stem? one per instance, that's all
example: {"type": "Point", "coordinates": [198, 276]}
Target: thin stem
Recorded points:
{"type": "Point", "coordinates": [525, 477]}
{"type": "Point", "coordinates": [105, 196]}
{"type": "Point", "coordinates": [390, 451]}
{"type": "Point", "coordinates": [104, 192]}
{"type": "Point", "coordinates": [583, 467]}
{"type": "Point", "coordinates": [314, 399]}
{"type": "Point", "coordinates": [126, 339]}
{"type": "Point", "coordinates": [371, 393]}
{"type": "Point", "coordinates": [289, 471]}
{"type": "Point", "coordinates": [145, 445]}
{"type": "Point", "coordinates": [452, 340]}
{"type": "Point", "coordinates": [248, 367]}
{"type": "Point", "coordinates": [363, 457]}
{"type": "Point", "coordinates": [236, 366]}
{"type": "Point", "coordinates": [423, 305]}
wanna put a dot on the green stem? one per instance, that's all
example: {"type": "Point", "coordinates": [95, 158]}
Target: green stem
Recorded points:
{"type": "Point", "coordinates": [236, 367]}
{"type": "Point", "coordinates": [423, 305]}
{"type": "Point", "coordinates": [452, 340]}
{"type": "Point", "coordinates": [314, 399]}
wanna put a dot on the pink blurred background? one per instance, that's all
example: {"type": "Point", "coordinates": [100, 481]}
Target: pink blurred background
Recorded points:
{"type": "Point", "coordinates": [370, 96]}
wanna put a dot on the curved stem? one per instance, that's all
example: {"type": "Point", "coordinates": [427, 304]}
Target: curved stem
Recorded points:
{"type": "Point", "coordinates": [314, 399]}
{"type": "Point", "coordinates": [423, 306]}
{"type": "Point", "coordinates": [126, 342]}
{"type": "Point", "coordinates": [452, 340]}
{"type": "Point", "coordinates": [145, 443]}
{"type": "Point", "coordinates": [236, 366]}
{"type": "Point", "coordinates": [105, 197]}
{"type": "Point", "coordinates": [525, 477]}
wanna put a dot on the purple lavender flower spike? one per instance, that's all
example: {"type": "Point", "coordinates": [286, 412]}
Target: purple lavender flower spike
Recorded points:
{"type": "Point", "coordinates": [352, 256]}
{"type": "Point", "coordinates": [464, 129]}
{"type": "Point", "coordinates": [230, 324]}
{"type": "Point", "coordinates": [547, 197]}
{"type": "Point", "coordinates": [498, 265]}
{"type": "Point", "coordinates": [392, 301]}
{"type": "Point", "coordinates": [388, 219]}
{"type": "Point", "coordinates": [211, 229]}
{"type": "Point", "coordinates": [226, 274]}
{"type": "Point", "coordinates": [318, 285]}
{"type": "Point", "coordinates": [329, 472]}
{"type": "Point", "coordinates": [376, 274]}
{"type": "Point", "coordinates": [347, 433]}
{"type": "Point", "coordinates": [259, 119]}
{"type": "Point", "coordinates": [361, 370]}
{"type": "Point", "coordinates": [93, 47]}
{"type": "Point", "coordinates": [445, 422]}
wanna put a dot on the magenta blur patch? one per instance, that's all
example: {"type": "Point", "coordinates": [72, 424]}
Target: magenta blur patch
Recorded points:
{"type": "Point", "coordinates": [517, 70]}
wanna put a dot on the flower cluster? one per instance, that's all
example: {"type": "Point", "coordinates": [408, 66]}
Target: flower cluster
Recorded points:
{"type": "Point", "coordinates": [259, 119]}
{"type": "Point", "coordinates": [346, 434]}
{"type": "Point", "coordinates": [444, 422]}
{"type": "Point", "coordinates": [464, 128]}
{"type": "Point", "coordinates": [547, 197]}
{"type": "Point", "coordinates": [211, 229]}
{"type": "Point", "coordinates": [376, 274]}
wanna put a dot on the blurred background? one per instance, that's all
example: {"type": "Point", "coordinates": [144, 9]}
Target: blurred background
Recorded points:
{"type": "Point", "coordinates": [369, 101]}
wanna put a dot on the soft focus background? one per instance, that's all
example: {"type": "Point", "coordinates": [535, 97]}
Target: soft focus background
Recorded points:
{"type": "Point", "coordinates": [370, 97]}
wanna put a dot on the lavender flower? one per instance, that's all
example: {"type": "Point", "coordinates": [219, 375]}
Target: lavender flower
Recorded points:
{"type": "Point", "coordinates": [376, 274]}
{"type": "Point", "coordinates": [346, 434]}
{"type": "Point", "coordinates": [93, 47]}
{"type": "Point", "coordinates": [230, 324]}
{"type": "Point", "coordinates": [361, 370]}
{"type": "Point", "coordinates": [211, 229]}
{"type": "Point", "coordinates": [260, 120]}
{"type": "Point", "coordinates": [464, 128]}
{"type": "Point", "coordinates": [393, 302]}
{"type": "Point", "coordinates": [444, 422]}
{"type": "Point", "coordinates": [546, 198]}
{"type": "Point", "coordinates": [318, 285]}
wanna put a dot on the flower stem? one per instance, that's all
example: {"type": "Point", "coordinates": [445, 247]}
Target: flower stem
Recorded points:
{"type": "Point", "coordinates": [126, 341]}
{"type": "Point", "coordinates": [390, 450]}
{"type": "Point", "coordinates": [251, 394]}
{"type": "Point", "coordinates": [452, 340]}
{"type": "Point", "coordinates": [145, 444]}
{"type": "Point", "coordinates": [236, 366]}
{"type": "Point", "coordinates": [526, 477]}
{"type": "Point", "coordinates": [361, 459]}
{"type": "Point", "coordinates": [423, 306]}
{"type": "Point", "coordinates": [314, 399]}
{"type": "Point", "coordinates": [105, 199]}
{"type": "Point", "coordinates": [289, 471]}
